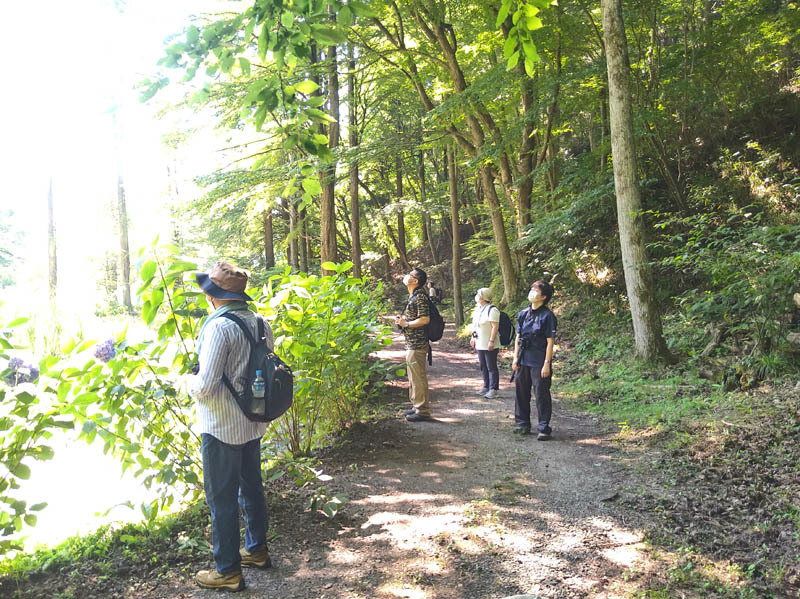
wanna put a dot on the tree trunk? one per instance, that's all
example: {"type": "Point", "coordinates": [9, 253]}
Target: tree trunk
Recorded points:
{"type": "Point", "coordinates": [293, 235]}
{"type": "Point", "coordinates": [124, 248]}
{"type": "Point", "coordinates": [647, 331]}
{"type": "Point", "coordinates": [51, 243]}
{"type": "Point", "coordinates": [304, 246]}
{"type": "Point", "coordinates": [269, 241]}
{"type": "Point", "coordinates": [458, 306]}
{"type": "Point", "coordinates": [401, 218]}
{"type": "Point", "coordinates": [355, 217]}
{"type": "Point", "coordinates": [426, 216]}
{"type": "Point", "coordinates": [327, 175]}
{"type": "Point", "coordinates": [499, 228]}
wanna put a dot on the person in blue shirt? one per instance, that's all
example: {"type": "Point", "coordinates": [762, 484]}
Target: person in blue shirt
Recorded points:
{"type": "Point", "coordinates": [533, 357]}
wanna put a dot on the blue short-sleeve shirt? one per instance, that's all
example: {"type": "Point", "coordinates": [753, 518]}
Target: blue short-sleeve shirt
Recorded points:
{"type": "Point", "coordinates": [538, 325]}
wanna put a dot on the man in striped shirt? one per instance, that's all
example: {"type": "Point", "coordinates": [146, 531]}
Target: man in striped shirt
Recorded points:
{"type": "Point", "coordinates": [231, 443]}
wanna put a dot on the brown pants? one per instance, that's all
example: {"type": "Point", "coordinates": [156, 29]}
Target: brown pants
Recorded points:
{"type": "Point", "coordinates": [418, 380]}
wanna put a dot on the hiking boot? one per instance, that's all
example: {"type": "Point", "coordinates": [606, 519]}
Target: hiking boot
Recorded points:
{"type": "Point", "coordinates": [417, 417]}
{"type": "Point", "coordinates": [211, 579]}
{"type": "Point", "coordinates": [521, 429]}
{"type": "Point", "coordinates": [543, 437]}
{"type": "Point", "coordinates": [257, 559]}
{"type": "Point", "coordinates": [409, 412]}
{"type": "Point", "coordinates": [492, 394]}
{"type": "Point", "coordinates": [482, 391]}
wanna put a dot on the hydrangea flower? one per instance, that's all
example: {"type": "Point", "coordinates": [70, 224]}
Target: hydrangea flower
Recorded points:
{"type": "Point", "coordinates": [105, 350]}
{"type": "Point", "coordinates": [21, 372]}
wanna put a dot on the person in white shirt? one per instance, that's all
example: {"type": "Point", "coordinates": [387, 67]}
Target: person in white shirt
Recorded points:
{"type": "Point", "coordinates": [230, 442]}
{"type": "Point", "coordinates": [485, 331]}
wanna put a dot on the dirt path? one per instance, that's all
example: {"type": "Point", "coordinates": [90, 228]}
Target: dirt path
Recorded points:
{"type": "Point", "coordinates": [459, 507]}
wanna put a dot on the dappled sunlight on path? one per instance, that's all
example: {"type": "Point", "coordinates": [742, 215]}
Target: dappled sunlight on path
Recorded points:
{"type": "Point", "coordinates": [459, 508]}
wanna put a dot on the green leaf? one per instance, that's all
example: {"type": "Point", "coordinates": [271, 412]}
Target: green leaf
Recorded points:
{"type": "Point", "coordinates": [260, 116]}
{"type": "Point", "coordinates": [85, 399]}
{"type": "Point", "coordinates": [307, 87]}
{"type": "Point", "coordinates": [262, 42]}
{"type": "Point", "coordinates": [311, 185]}
{"type": "Point", "coordinates": [512, 62]}
{"type": "Point", "coordinates": [244, 64]}
{"type": "Point", "coordinates": [328, 36]}
{"type": "Point", "coordinates": [21, 471]}
{"type": "Point", "coordinates": [30, 519]}
{"type": "Point", "coordinates": [502, 14]}
{"type": "Point", "coordinates": [362, 10]}
{"type": "Point", "coordinates": [344, 17]}
{"type": "Point", "coordinates": [533, 23]}
{"type": "Point", "coordinates": [510, 45]}
{"type": "Point", "coordinates": [287, 19]}
{"type": "Point", "coordinates": [148, 270]}
{"type": "Point", "coordinates": [16, 322]}
{"type": "Point", "coordinates": [329, 266]}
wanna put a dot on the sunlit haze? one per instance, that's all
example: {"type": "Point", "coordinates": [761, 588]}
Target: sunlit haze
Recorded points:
{"type": "Point", "coordinates": [74, 65]}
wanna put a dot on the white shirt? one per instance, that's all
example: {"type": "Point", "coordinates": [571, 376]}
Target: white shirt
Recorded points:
{"type": "Point", "coordinates": [482, 319]}
{"type": "Point", "coordinates": [224, 349]}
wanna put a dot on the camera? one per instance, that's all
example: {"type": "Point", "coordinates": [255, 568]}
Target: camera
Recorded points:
{"type": "Point", "coordinates": [525, 341]}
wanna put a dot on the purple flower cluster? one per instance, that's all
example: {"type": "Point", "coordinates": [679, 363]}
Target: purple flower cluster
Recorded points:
{"type": "Point", "coordinates": [105, 351]}
{"type": "Point", "coordinates": [21, 372]}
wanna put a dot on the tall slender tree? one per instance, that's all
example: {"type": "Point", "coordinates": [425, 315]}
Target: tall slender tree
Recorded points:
{"type": "Point", "coordinates": [124, 247]}
{"type": "Point", "coordinates": [51, 243]}
{"type": "Point", "coordinates": [648, 336]}
{"type": "Point", "coordinates": [352, 137]}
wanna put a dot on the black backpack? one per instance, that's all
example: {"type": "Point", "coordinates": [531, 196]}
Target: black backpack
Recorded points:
{"type": "Point", "coordinates": [506, 330]}
{"type": "Point", "coordinates": [435, 327]}
{"type": "Point", "coordinates": [278, 379]}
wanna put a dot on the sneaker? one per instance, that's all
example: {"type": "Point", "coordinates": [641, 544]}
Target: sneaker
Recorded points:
{"type": "Point", "coordinates": [417, 417]}
{"type": "Point", "coordinates": [543, 437]}
{"type": "Point", "coordinates": [482, 391]}
{"type": "Point", "coordinates": [257, 559]}
{"type": "Point", "coordinates": [211, 579]}
{"type": "Point", "coordinates": [409, 412]}
{"type": "Point", "coordinates": [521, 429]}
{"type": "Point", "coordinates": [492, 394]}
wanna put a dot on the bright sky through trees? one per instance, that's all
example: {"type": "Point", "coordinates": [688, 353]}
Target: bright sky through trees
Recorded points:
{"type": "Point", "coordinates": [70, 64]}
{"type": "Point", "coordinates": [74, 62]}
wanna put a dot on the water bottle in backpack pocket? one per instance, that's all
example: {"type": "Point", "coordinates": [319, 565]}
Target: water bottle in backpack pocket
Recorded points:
{"type": "Point", "coordinates": [258, 405]}
{"type": "Point", "coordinates": [268, 384]}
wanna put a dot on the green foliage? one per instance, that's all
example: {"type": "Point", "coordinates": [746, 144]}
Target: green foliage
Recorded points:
{"type": "Point", "coordinates": [27, 420]}
{"type": "Point", "coordinates": [10, 239]}
{"type": "Point", "coordinates": [306, 474]}
{"type": "Point", "coordinates": [519, 41]}
{"type": "Point", "coordinates": [326, 328]}
{"type": "Point", "coordinates": [748, 273]}
{"type": "Point", "coordinates": [127, 397]}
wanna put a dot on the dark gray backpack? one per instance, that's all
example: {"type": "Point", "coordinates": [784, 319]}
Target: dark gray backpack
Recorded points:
{"type": "Point", "coordinates": [278, 379]}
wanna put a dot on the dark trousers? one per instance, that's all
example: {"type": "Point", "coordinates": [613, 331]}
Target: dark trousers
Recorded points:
{"type": "Point", "coordinates": [488, 361]}
{"type": "Point", "coordinates": [530, 377]}
{"type": "Point", "coordinates": [232, 481]}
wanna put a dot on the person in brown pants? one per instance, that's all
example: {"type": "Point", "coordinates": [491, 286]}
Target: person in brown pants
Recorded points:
{"type": "Point", "coordinates": [412, 322]}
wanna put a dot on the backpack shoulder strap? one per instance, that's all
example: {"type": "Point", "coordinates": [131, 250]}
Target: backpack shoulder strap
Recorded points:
{"type": "Point", "coordinates": [245, 329]}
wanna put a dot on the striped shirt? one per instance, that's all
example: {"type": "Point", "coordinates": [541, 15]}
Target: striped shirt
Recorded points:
{"type": "Point", "coordinates": [224, 350]}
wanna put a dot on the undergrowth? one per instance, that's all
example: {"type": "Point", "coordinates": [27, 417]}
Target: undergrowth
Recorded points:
{"type": "Point", "coordinates": [720, 477]}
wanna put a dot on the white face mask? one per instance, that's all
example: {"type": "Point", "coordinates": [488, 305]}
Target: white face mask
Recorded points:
{"type": "Point", "coordinates": [406, 279]}
{"type": "Point", "coordinates": [477, 298]}
{"type": "Point", "coordinates": [533, 294]}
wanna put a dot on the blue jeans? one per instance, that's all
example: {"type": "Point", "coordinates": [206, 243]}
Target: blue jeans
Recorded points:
{"type": "Point", "coordinates": [232, 479]}
{"type": "Point", "coordinates": [488, 362]}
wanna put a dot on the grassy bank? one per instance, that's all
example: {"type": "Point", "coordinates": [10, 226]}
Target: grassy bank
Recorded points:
{"type": "Point", "coordinates": [718, 471]}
